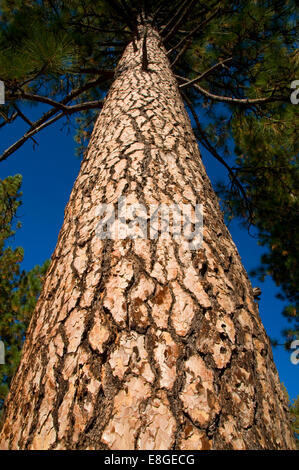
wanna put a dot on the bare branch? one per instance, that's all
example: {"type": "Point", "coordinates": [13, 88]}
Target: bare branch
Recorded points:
{"type": "Point", "coordinates": [194, 31]}
{"type": "Point", "coordinates": [206, 73]}
{"type": "Point", "coordinates": [179, 55]}
{"type": "Point", "coordinates": [45, 120]}
{"type": "Point", "coordinates": [184, 14]}
{"type": "Point", "coordinates": [27, 136]}
{"type": "Point", "coordinates": [56, 104]}
{"type": "Point", "coordinates": [8, 120]}
{"type": "Point", "coordinates": [78, 91]}
{"type": "Point", "coordinates": [173, 19]}
{"type": "Point", "coordinates": [34, 77]}
{"type": "Point", "coordinates": [206, 143]}
{"type": "Point", "coordinates": [122, 13]}
{"type": "Point", "coordinates": [95, 28]}
{"type": "Point", "coordinates": [157, 11]}
{"type": "Point", "coordinates": [171, 14]}
{"type": "Point", "coordinates": [37, 128]}
{"type": "Point", "coordinates": [84, 106]}
{"type": "Point", "coordinates": [109, 73]}
{"type": "Point", "coordinates": [25, 118]}
{"type": "Point", "coordinates": [227, 99]}
{"type": "Point", "coordinates": [37, 98]}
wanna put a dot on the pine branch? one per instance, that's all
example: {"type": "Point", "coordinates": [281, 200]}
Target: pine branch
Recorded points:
{"type": "Point", "coordinates": [176, 26]}
{"type": "Point", "coordinates": [206, 143]}
{"type": "Point", "coordinates": [109, 73]}
{"type": "Point", "coordinates": [45, 120]}
{"type": "Point", "coordinates": [39, 99]}
{"type": "Point", "coordinates": [170, 14]}
{"type": "Point", "coordinates": [37, 128]}
{"type": "Point", "coordinates": [98, 104]}
{"type": "Point", "coordinates": [228, 99]}
{"type": "Point", "coordinates": [35, 76]}
{"type": "Point", "coordinates": [173, 19]}
{"type": "Point", "coordinates": [206, 73]}
{"type": "Point", "coordinates": [100, 30]}
{"type": "Point", "coordinates": [25, 119]}
{"type": "Point", "coordinates": [78, 91]}
{"type": "Point", "coordinates": [180, 54]}
{"type": "Point", "coordinates": [122, 13]}
{"type": "Point", "coordinates": [27, 136]}
{"type": "Point", "coordinates": [144, 11]}
{"type": "Point", "coordinates": [8, 120]}
{"type": "Point", "coordinates": [111, 44]}
{"type": "Point", "coordinates": [127, 9]}
{"type": "Point", "coordinates": [54, 8]}
{"type": "Point", "coordinates": [194, 31]}
{"type": "Point", "coordinates": [157, 11]}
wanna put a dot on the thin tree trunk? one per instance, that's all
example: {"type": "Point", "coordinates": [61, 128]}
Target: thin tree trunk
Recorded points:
{"type": "Point", "coordinates": [140, 343]}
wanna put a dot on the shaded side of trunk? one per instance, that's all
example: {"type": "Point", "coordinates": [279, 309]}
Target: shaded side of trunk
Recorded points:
{"type": "Point", "coordinates": [144, 344]}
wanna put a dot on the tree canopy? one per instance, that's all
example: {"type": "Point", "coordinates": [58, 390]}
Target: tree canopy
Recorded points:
{"type": "Point", "coordinates": [234, 62]}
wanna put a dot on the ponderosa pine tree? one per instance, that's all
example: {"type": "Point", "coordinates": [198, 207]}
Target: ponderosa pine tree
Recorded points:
{"type": "Point", "coordinates": [143, 343]}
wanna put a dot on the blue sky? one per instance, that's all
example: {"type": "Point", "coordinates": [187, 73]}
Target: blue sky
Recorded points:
{"type": "Point", "coordinates": [49, 173]}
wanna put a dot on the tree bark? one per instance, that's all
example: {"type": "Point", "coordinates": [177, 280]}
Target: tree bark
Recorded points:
{"type": "Point", "coordinates": [143, 343]}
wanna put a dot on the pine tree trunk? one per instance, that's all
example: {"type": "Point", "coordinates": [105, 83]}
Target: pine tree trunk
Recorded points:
{"type": "Point", "coordinates": [143, 343]}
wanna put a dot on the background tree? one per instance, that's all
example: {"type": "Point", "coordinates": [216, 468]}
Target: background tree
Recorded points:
{"type": "Point", "coordinates": [19, 290]}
